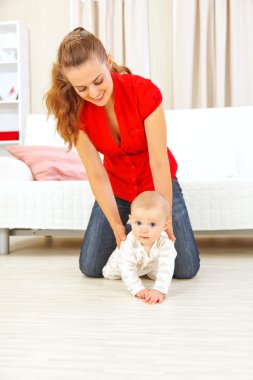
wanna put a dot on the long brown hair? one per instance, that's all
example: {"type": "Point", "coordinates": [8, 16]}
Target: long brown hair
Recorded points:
{"type": "Point", "coordinates": [62, 100]}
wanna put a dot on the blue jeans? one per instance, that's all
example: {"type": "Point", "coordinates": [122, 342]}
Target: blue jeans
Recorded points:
{"type": "Point", "coordinates": [99, 241]}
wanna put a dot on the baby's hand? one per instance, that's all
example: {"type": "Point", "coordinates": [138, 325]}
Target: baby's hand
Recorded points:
{"type": "Point", "coordinates": [142, 294]}
{"type": "Point", "coordinates": [154, 296]}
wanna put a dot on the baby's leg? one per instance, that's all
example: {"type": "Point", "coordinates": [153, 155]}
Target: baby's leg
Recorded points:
{"type": "Point", "coordinates": [152, 275]}
{"type": "Point", "coordinates": [109, 275]}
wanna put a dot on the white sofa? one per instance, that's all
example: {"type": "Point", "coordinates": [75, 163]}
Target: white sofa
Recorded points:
{"type": "Point", "coordinates": [213, 150]}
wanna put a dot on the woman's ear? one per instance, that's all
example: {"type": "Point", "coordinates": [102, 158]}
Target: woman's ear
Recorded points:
{"type": "Point", "coordinates": [109, 61]}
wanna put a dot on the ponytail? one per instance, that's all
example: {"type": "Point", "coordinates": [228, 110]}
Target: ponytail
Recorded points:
{"type": "Point", "coordinates": [120, 69]}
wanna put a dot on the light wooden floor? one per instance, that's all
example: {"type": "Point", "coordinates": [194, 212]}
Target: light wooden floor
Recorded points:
{"type": "Point", "coordinates": [57, 324]}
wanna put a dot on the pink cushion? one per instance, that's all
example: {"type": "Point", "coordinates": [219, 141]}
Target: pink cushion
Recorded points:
{"type": "Point", "coordinates": [49, 163]}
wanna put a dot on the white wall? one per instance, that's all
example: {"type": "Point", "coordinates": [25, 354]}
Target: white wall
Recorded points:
{"type": "Point", "coordinates": [47, 22]}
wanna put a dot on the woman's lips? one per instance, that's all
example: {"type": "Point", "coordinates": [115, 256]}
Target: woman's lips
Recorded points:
{"type": "Point", "coordinates": [99, 98]}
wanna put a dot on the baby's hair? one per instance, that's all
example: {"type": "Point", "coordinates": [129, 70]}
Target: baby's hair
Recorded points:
{"type": "Point", "coordinates": [151, 199]}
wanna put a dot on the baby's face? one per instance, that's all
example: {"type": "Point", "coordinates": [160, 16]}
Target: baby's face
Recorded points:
{"type": "Point", "coordinates": [147, 225]}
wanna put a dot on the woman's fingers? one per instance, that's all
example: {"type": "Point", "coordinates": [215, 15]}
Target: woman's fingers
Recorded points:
{"type": "Point", "coordinates": [170, 234]}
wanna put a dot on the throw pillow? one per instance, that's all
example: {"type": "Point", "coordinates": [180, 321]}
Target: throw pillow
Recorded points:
{"type": "Point", "coordinates": [49, 163]}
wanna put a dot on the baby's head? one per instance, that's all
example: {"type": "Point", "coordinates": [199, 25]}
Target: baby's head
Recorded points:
{"type": "Point", "coordinates": [150, 215]}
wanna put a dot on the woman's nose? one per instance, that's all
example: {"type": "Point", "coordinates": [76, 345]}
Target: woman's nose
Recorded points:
{"type": "Point", "coordinates": [93, 92]}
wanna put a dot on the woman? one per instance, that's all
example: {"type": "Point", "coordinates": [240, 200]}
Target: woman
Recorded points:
{"type": "Point", "coordinates": [101, 107]}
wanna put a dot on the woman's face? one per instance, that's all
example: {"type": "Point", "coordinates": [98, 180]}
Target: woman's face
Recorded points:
{"type": "Point", "coordinates": [92, 81]}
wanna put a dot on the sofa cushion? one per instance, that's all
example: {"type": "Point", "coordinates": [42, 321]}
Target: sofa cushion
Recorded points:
{"type": "Point", "coordinates": [203, 142]}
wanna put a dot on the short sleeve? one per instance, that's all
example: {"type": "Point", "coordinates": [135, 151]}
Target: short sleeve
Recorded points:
{"type": "Point", "coordinates": [149, 97]}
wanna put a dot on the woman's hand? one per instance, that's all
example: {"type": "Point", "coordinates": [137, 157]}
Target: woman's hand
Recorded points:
{"type": "Point", "coordinates": [170, 233]}
{"type": "Point", "coordinates": [119, 233]}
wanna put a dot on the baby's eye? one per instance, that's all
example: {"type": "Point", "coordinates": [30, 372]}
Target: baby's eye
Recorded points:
{"type": "Point", "coordinates": [152, 224]}
{"type": "Point", "coordinates": [138, 223]}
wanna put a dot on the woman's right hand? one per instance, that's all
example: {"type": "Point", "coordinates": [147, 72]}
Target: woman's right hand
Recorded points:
{"type": "Point", "coordinates": [170, 233]}
{"type": "Point", "coordinates": [119, 233]}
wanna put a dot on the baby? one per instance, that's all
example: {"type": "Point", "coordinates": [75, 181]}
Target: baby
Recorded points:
{"type": "Point", "coordinates": [146, 251]}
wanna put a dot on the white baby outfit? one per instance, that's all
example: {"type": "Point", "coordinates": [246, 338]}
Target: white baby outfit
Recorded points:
{"type": "Point", "coordinates": [131, 261]}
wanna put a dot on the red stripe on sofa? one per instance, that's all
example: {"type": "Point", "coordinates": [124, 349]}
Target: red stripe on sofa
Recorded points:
{"type": "Point", "coordinates": [9, 136]}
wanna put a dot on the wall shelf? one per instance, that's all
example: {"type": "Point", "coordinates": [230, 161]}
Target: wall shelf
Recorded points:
{"type": "Point", "coordinates": [8, 62]}
{"type": "Point", "coordinates": [14, 80]}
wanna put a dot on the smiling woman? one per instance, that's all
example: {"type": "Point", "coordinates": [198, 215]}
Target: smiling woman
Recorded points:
{"type": "Point", "coordinates": [121, 116]}
{"type": "Point", "coordinates": [92, 80]}
{"type": "Point", "coordinates": [83, 65]}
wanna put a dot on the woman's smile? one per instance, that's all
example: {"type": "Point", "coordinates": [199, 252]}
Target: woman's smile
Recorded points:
{"type": "Point", "coordinates": [99, 98]}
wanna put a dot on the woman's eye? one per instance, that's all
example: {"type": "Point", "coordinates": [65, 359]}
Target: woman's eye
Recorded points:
{"type": "Point", "coordinates": [100, 82]}
{"type": "Point", "coordinates": [82, 89]}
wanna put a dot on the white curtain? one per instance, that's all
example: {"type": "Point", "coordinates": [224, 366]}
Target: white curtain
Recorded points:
{"type": "Point", "coordinates": [213, 53]}
{"type": "Point", "coordinates": [122, 26]}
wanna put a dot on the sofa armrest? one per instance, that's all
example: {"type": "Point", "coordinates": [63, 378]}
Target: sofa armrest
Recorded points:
{"type": "Point", "coordinates": [12, 169]}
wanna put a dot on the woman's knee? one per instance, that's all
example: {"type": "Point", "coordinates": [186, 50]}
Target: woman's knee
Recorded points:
{"type": "Point", "coordinates": [186, 272]}
{"type": "Point", "coordinates": [90, 270]}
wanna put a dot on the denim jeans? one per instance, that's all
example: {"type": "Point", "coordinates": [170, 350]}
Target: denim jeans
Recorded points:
{"type": "Point", "coordinates": [99, 241]}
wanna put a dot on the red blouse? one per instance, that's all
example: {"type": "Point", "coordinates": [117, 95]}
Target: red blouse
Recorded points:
{"type": "Point", "coordinates": [127, 165]}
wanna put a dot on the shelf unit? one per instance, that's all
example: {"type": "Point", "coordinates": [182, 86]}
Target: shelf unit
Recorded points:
{"type": "Point", "coordinates": [14, 82]}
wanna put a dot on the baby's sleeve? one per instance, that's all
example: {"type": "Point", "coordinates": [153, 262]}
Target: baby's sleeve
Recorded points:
{"type": "Point", "coordinates": [165, 267]}
{"type": "Point", "coordinates": [128, 270]}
